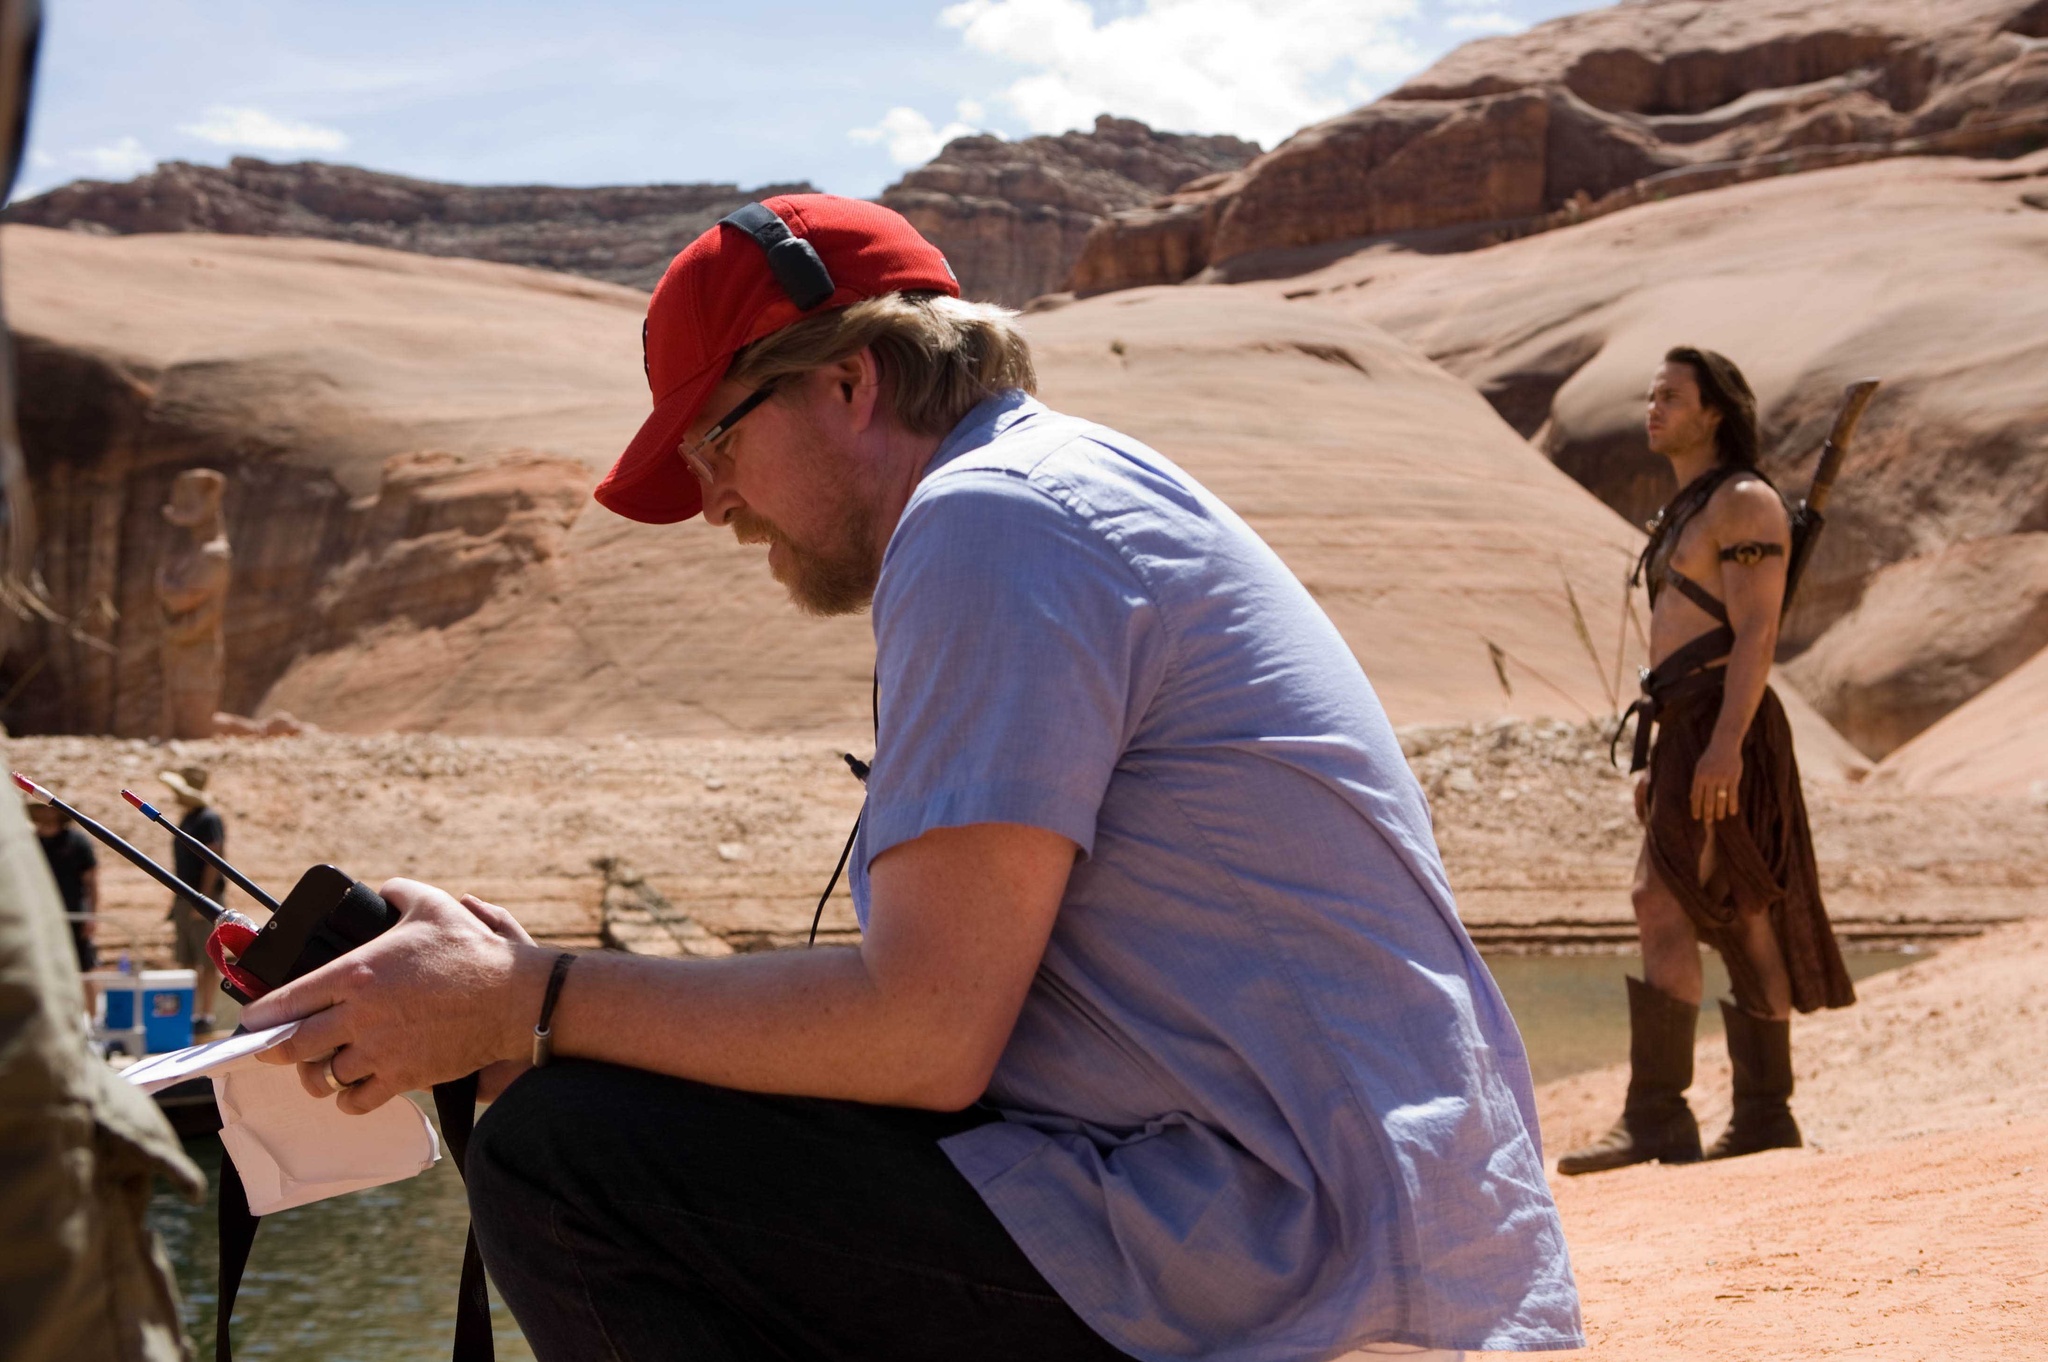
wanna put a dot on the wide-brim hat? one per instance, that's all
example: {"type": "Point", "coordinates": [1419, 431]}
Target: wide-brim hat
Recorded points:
{"type": "Point", "coordinates": [188, 784]}
{"type": "Point", "coordinates": [756, 271]}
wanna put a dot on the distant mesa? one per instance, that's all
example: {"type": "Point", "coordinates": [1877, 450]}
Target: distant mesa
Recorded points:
{"type": "Point", "coordinates": [1597, 111]}
{"type": "Point", "coordinates": [625, 234]}
{"type": "Point", "coordinates": [1012, 216]}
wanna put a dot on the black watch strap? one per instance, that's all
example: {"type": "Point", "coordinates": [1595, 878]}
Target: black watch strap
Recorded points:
{"type": "Point", "coordinates": [544, 1029]}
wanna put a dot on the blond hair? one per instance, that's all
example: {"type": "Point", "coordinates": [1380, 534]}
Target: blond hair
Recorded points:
{"type": "Point", "coordinates": [939, 355]}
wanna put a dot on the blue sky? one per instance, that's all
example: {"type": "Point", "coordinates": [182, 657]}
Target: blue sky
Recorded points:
{"type": "Point", "coordinates": [630, 91]}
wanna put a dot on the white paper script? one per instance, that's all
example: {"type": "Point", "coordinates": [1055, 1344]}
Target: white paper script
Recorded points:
{"type": "Point", "coordinates": [292, 1148]}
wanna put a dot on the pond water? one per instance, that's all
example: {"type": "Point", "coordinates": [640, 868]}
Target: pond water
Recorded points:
{"type": "Point", "coordinates": [368, 1277]}
{"type": "Point", "coordinates": [371, 1277]}
{"type": "Point", "coordinates": [1573, 1009]}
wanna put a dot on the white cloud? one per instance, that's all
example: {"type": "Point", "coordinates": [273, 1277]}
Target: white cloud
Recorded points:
{"type": "Point", "coordinates": [1484, 22]}
{"type": "Point", "coordinates": [911, 138]}
{"type": "Point", "coordinates": [1257, 68]}
{"type": "Point", "coordinates": [117, 160]}
{"type": "Point", "coordinates": [233, 127]}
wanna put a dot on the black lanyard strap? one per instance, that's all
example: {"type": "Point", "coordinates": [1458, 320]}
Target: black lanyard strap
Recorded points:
{"type": "Point", "coordinates": [860, 771]}
{"type": "Point", "coordinates": [455, 1103]}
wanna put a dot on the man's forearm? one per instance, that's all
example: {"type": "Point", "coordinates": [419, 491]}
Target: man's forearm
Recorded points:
{"type": "Point", "coordinates": [1749, 672]}
{"type": "Point", "coordinates": [812, 1023]}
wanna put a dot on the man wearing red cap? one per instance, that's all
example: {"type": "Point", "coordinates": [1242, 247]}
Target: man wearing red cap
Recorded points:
{"type": "Point", "coordinates": [1162, 1039]}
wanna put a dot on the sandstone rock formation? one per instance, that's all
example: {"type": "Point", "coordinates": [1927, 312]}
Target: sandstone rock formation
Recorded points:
{"type": "Point", "coordinates": [1011, 216]}
{"type": "Point", "coordinates": [626, 234]}
{"type": "Point", "coordinates": [318, 378]}
{"type": "Point", "coordinates": [1994, 745]}
{"type": "Point", "coordinates": [380, 587]}
{"type": "Point", "coordinates": [1930, 633]}
{"type": "Point", "coordinates": [191, 597]}
{"type": "Point", "coordinates": [1925, 272]}
{"type": "Point", "coordinates": [1637, 101]}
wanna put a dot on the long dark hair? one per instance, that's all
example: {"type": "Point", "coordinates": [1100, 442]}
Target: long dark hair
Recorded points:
{"type": "Point", "coordinates": [1725, 390]}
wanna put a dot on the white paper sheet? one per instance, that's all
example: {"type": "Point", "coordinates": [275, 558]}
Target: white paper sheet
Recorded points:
{"type": "Point", "coordinates": [292, 1148]}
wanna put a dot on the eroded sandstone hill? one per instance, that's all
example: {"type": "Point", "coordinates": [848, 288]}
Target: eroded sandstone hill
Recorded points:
{"type": "Point", "coordinates": [1012, 216]}
{"type": "Point", "coordinates": [1996, 744]}
{"type": "Point", "coordinates": [409, 443]}
{"type": "Point", "coordinates": [626, 234]}
{"type": "Point", "coordinates": [1931, 273]}
{"type": "Point", "coordinates": [1634, 102]}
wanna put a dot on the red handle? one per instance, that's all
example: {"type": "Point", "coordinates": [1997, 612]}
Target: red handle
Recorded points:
{"type": "Point", "coordinates": [224, 947]}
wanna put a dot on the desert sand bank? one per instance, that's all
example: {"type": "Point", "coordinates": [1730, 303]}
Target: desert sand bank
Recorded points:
{"type": "Point", "coordinates": [1536, 827]}
{"type": "Point", "coordinates": [1915, 1225]}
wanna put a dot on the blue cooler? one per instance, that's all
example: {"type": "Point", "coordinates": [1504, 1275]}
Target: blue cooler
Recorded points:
{"type": "Point", "coordinates": [117, 997]}
{"type": "Point", "coordinates": [167, 997]}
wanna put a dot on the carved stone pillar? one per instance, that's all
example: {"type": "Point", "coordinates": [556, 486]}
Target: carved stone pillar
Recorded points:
{"type": "Point", "coordinates": [192, 593]}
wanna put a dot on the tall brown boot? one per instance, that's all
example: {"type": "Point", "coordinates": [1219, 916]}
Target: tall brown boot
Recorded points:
{"type": "Point", "coordinates": [1655, 1121]}
{"type": "Point", "coordinates": [1760, 1051]}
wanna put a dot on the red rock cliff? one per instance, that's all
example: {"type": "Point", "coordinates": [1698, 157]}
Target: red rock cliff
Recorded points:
{"type": "Point", "coordinates": [1012, 216]}
{"type": "Point", "coordinates": [624, 234]}
{"type": "Point", "coordinates": [1641, 100]}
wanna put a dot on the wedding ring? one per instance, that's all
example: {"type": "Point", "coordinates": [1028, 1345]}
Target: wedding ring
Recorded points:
{"type": "Point", "coordinates": [327, 1072]}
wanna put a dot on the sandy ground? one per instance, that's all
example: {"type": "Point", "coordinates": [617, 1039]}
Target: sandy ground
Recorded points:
{"type": "Point", "coordinates": [1538, 830]}
{"type": "Point", "coordinates": [1915, 1226]}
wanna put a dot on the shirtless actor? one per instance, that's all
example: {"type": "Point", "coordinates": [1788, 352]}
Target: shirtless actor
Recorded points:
{"type": "Point", "coordinates": [1727, 857]}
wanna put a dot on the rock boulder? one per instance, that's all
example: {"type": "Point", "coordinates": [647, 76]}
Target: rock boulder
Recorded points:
{"type": "Point", "coordinates": [1929, 634]}
{"type": "Point", "coordinates": [1012, 216]}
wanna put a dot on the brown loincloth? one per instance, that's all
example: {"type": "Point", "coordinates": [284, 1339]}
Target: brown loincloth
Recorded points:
{"type": "Point", "coordinates": [1764, 853]}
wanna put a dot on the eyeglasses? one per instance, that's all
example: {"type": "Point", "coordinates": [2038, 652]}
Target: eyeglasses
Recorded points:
{"type": "Point", "coordinates": [695, 452]}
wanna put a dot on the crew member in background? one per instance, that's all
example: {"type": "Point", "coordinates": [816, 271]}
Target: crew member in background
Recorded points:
{"type": "Point", "coordinates": [203, 822]}
{"type": "Point", "coordinates": [1727, 856]}
{"type": "Point", "coordinates": [76, 868]}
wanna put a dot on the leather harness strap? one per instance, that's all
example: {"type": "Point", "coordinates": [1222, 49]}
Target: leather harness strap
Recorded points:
{"type": "Point", "coordinates": [1694, 668]}
{"type": "Point", "coordinates": [1696, 593]}
{"type": "Point", "coordinates": [1690, 670]}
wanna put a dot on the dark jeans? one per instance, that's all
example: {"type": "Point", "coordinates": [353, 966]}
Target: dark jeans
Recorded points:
{"type": "Point", "coordinates": [627, 1215]}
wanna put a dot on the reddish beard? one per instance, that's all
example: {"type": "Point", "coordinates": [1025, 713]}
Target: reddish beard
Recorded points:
{"type": "Point", "coordinates": [822, 581]}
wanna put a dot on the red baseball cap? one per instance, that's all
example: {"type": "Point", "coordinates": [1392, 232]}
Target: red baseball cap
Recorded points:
{"type": "Point", "coordinates": [755, 272]}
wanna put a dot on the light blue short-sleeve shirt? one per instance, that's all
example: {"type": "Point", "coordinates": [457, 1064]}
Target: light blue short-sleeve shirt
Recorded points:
{"type": "Point", "coordinates": [1263, 1102]}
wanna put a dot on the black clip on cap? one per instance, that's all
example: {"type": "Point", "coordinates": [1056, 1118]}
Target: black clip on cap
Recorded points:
{"type": "Point", "coordinates": [792, 260]}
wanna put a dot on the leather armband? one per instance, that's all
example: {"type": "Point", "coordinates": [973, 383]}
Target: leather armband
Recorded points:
{"type": "Point", "coordinates": [1751, 553]}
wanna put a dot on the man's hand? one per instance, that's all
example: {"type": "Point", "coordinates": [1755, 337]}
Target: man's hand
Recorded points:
{"type": "Point", "coordinates": [1716, 782]}
{"type": "Point", "coordinates": [450, 989]}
